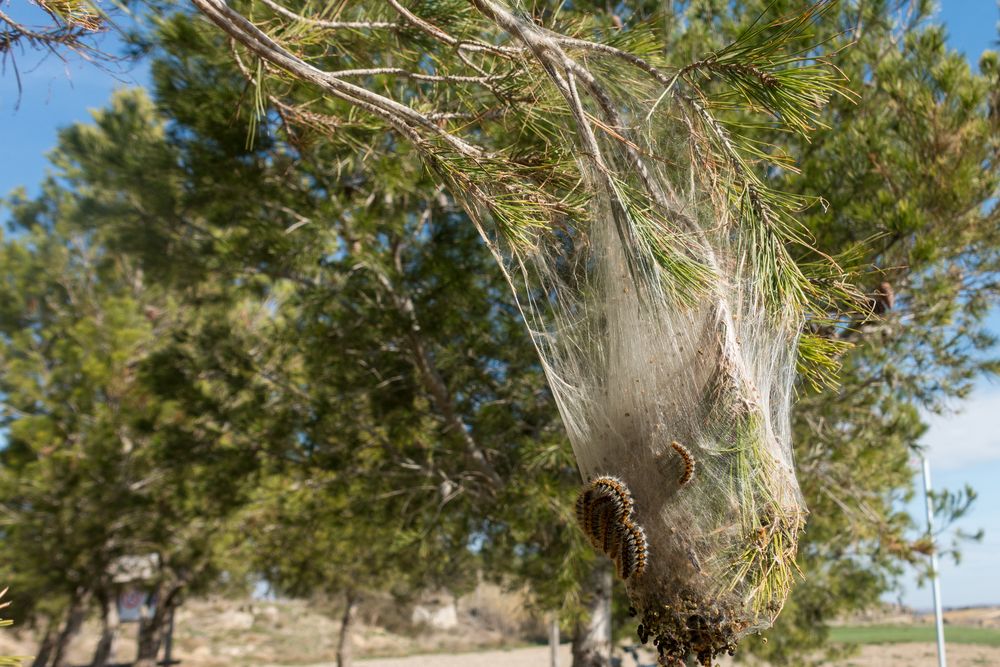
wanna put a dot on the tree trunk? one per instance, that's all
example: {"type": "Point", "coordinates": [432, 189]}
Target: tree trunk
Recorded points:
{"type": "Point", "coordinates": [554, 641]}
{"type": "Point", "coordinates": [109, 628]}
{"type": "Point", "coordinates": [150, 638]}
{"type": "Point", "coordinates": [151, 630]}
{"type": "Point", "coordinates": [592, 638]}
{"type": "Point", "coordinates": [45, 647]}
{"type": "Point", "coordinates": [102, 654]}
{"type": "Point", "coordinates": [74, 621]}
{"type": "Point", "coordinates": [344, 644]}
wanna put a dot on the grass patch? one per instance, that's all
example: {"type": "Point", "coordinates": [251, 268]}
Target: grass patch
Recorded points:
{"type": "Point", "coordinates": [899, 634]}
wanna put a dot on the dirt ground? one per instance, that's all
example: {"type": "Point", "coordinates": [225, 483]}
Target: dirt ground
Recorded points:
{"type": "Point", "coordinates": [924, 655]}
{"type": "Point", "coordinates": [536, 656]}
{"type": "Point", "coordinates": [892, 655]}
{"type": "Point", "coordinates": [897, 655]}
{"type": "Point", "coordinates": [226, 633]}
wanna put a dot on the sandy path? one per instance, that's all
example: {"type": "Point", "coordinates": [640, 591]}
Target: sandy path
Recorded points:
{"type": "Point", "coordinates": [924, 655]}
{"type": "Point", "coordinates": [536, 656]}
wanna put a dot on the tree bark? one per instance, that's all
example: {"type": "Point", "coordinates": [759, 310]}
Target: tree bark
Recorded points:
{"type": "Point", "coordinates": [109, 628]}
{"type": "Point", "coordinates": [554, 641]}
{"type": "Point", "coordinates": [74, 621]}
{"type": "Point", "coordinates": [344, 644]}
{"type": "Point", "coordinates": [151, 630]}
{"type": "Point", "coordinates": [44, 652]}
{"type": "Point", "coordinates": [150, 638]}
{"type": "Point", "coordinates": [592, 637]}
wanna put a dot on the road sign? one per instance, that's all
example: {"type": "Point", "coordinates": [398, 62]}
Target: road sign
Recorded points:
{"type": "Point", "coordinates": [134, 604]}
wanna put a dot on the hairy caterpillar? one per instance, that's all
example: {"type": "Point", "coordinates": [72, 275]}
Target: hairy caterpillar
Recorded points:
{"type": "Point", "coordinates": [632, 557]}
{"type": "Point", "coordinates": [614, 489]}
{"type": "Point", "coordinates": [604, 512]}
{"type": "Point", "coordinates": [595, 512]}
{"type": "Point", "coordinates": [688, 473]}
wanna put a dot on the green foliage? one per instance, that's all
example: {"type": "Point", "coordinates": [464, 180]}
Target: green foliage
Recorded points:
{"type": "Point", "coordinates": [103, 459]}
{"type": "Point", "coordinates": [411, 392]}
{"type": "Point", "coordinates": [331, 388]}
{"type": "Point", "coordinates": [4, 623]}
{"type": "Point", "coordinates": [772, 67]}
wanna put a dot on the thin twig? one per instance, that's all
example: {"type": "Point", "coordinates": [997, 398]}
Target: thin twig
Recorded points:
{"type": "Point", "coordinates": [331, 25]}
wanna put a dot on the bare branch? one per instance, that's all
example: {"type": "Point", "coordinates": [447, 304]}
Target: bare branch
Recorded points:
{"type": "Point", "coordinates": [441, 35]}
{"type": "Point", "coordinates": [331, 25]}
{"type": "Point", "coordinates": [416, 76]}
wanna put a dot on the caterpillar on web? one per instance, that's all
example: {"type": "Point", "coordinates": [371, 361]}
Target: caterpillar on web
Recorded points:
{"type": "Point", "coordinates": [604, 512]}
{"type": "Point", "coordinates": [615, 490]}
{"type": "Point", "coordinates": [685, 454]}
{"type": "Point", "coordinates": [632, 556]}
{"type": "Point", "coordinates": [600, 507]}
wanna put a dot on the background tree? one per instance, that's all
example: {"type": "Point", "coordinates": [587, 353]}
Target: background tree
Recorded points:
{"type": "Point", "coordinates": [379, 292]}
{"type": "Point", "coordinates": [70, 333]}
{"type": "Point", "coordinates": [95, 388]}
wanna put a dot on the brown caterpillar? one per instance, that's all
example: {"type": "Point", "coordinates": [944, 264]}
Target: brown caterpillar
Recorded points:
{"type": "Point", "coordinates": [688, 473]}
{"type": "Point", "coordinates": [615, 489]}
{"type": "Point", "coordinates": [632, 557]}
{"type": "Point", "coordinates": [604, 511]}
{"type": "Point", "coordinates": [596, 512]}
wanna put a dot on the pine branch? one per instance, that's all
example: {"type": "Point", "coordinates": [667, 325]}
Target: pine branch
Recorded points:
{"type": "Point", "coordinates": [765, 70]}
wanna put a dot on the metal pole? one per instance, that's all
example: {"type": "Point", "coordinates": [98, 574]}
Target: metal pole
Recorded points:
{"type": "Point", "coordinates": [935, 579]}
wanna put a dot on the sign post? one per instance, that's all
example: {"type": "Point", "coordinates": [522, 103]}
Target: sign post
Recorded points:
{"type": "Point", "coordinates": [168, 641]}
{"type": "Point", "coordinates": [136, 601]}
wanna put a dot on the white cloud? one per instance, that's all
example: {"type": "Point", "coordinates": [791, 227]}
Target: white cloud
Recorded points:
{"type": "Point", "coordinates": [969, 436]}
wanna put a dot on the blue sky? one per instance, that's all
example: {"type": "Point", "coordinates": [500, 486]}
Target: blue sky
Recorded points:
{"type": "Point", "coordinates": [55, 93]}
{"type": "Point", "coordinates": [963, 447]}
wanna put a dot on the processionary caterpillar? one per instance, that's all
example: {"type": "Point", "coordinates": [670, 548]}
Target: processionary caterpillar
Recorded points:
{"type": "Point", "coordinates": [632, 557]}
{"type": "Point", "coordinates": [604, 512]}
{"type": "Point", "coordinates": [685, 454]}
{"type": "Point", "coordinates": [614, 489]}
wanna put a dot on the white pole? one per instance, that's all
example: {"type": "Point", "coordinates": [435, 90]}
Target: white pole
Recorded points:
{"type": "Point", "coordinates": [935, 579]}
